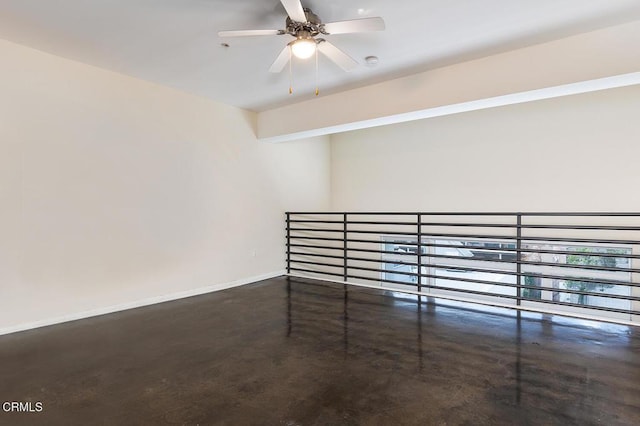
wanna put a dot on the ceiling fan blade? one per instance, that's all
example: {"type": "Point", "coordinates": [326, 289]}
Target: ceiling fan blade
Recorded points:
{"type": "Point", "coordinates": [294, 10]}
{"type": "Point", "coordinates": [244, 33]}
{"type": "Point", "coordinates": [354, 26]}
{"type": "Point", "coordinates": [281, 60]}
{"type": "Point", "coordinates": [340, 58]}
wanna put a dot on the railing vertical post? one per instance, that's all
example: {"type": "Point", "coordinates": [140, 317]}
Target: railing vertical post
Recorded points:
{"type": "Point", "coordinates": [419, 252]}
{"type": "Point", "coordinates": [344, 240]}
{"type": "Point", "coordinates": [519, 258]}
{"type": "Point", "coordinates": [288, 243]}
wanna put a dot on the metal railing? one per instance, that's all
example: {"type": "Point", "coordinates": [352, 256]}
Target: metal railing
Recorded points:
{"type": "Point", "coordinates": [577, 264]}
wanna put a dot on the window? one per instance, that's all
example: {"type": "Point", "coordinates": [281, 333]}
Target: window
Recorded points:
{"type": "Point", "coordinates": [487, 269]}
{"type": "Point", "coordinates": [590, 279]}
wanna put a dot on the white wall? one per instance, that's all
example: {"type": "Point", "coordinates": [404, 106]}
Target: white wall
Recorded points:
{"type": "Point", "coordinates": [577, 153]}
{"type": "Point", "coordinates": [114, 190]}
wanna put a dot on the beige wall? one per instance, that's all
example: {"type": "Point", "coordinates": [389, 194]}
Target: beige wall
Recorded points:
{"type": "Point", "coordinates": [114, 190]}
{"type": "Point", "coordinates": [577, 153]}
{"type": "Point", "coordinates": [567, 154]}
{"type": "Point", "coordinates": [604, 58]}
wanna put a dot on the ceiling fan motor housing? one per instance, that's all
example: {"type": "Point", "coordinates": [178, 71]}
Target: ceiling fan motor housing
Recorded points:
{"type": "Point", "coordinates": [311, 28]}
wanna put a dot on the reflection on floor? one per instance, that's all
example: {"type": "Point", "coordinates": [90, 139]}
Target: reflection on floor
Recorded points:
{"type": "Point", "coordinates": [300, 352]}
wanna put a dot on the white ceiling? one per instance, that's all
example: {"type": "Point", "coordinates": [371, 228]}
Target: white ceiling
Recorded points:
{"type": "Point", "coordinates": [175, 42]}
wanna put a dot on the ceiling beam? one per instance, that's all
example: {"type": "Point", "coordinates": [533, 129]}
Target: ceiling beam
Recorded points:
{"type": "Point", "coordinates": [597, 60]}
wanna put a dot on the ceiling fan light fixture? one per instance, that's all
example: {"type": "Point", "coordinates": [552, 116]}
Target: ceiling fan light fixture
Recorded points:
{"type": "Point", "coordinates": [304, 25]}
{"type": "Point", "coordinates": [303, 48]}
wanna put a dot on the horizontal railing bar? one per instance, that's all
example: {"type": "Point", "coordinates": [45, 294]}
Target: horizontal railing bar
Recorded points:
{"type": "Point", "coordinates": [317, 272]}
{"type": "Point", "coordinates": [471, 248]}
{"type": "Point", "coordinates": [356, 213]}
{"type": "Point", "coordinates": [316, 263]}
{"type": "Point", "coordinates": [492, 237]}
{"type": "Point", "coordinates": [478, 225]}
{"type": "Point", "coordinates": [314, 221]}
{"type": "Point", "coordinates": [362, 259]}
{"type": "Point", "coordinates": [293, 237]}
{"type": "Point", "coordinates": [349, 231]}
{"type": "Point", "coordinates": [351, 240]}
{"type": "Point", "coordinates": [525, 238]}
{"type": "Point", "coordinates": [315, 247]}
{"type": "Point", "coordinates": [536, 226]}
{"type": "Point", "coordinates": [550, 214]}
{"type": "Point", "coordinates": [367, 222]}
{"type": "Point", "coordinates": [364, 268]}
{"type": "Point", "coordinates": [384, 232]}
{"type": "Point", "coordinates": [482, 293]}
{"type": "Point", "coordinates": [329, 256]}
{"type": "Point", "coordinates": [341, 275]}
{"type": "Point", "coordinates": [352, 222]}
{"type": "Point", "coordinates": [357, 240]}
{"type": "Point", "coordinates": [524, 250]}
{"type": "Point", "coordinates": [405, 253]}
{"type": "Point", "coordinates": [355, 249]}
{"type": "Point", "coordinates": [361, 268]}
{"type": "Point", "coordinates": [385, 281]}
{"type": "Point", "coordinates": [534, 263]}
{"type": "Point", "coordinates": [314, 213]}
{"type": "Point", "coordinates": [313, 230]}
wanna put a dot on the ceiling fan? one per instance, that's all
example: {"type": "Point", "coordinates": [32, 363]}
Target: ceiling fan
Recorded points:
{"type": "Point", "coordinates": [305, 26]}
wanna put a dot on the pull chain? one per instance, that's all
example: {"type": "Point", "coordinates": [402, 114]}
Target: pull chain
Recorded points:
{"type": "Point", "coordinates": [317, 91]}
{"type": "Point", "coordinates": [290, 72]}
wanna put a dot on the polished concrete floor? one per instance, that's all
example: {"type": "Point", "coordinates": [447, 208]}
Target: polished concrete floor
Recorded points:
{"type": "Point", "coordinates": [301, 352]}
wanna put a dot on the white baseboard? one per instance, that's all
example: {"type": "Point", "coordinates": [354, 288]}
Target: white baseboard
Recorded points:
{"type": "Point", "coordinates": [138, 303]}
